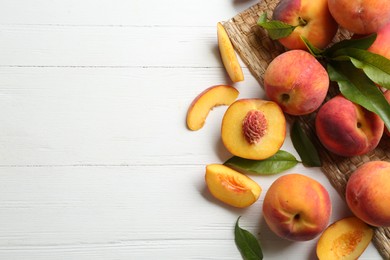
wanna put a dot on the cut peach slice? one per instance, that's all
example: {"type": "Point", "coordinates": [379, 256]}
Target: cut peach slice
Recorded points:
{"type": "Point", "coordinates": [344, 239]}
{"type": "Point", "coordinates": [253, 128]}
{"type": "Point", "coordinates": [211, 97]}
{"type": "Point", "coordinates": [231, 187]}
{"type": "Point", "coordinates": [228, 55]}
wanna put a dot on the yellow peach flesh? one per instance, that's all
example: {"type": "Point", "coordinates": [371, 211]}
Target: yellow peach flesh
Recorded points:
{"type": "Point", "coordinates": [230, 186]}
{"type": "Point", "coordinates": [206, 101]}
{"type": "Point", "coordinates": [344, 239]}
{"type": "Point", "coordinates": [236, 140]}
{"type": "Point", "coordinates": [228, 55]}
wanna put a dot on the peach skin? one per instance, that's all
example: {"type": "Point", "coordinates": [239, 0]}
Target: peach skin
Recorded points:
{"type": "Point", "coordinates": [297, 207]}
{"type": "Point", "coordinates": [298, 87]}
{"type": "Point", "coordinates": [348, 129]}
{"type": "Point", "coordinates": [381, 44]}
{"type": "Point", "coordinates": [368, 193]}
{"type": "Point", "coordinates": [313, 21]}
{"type": "Point", "coordinates": [361, 17]}
{"type": "Point", "coordinates": [387, 96]}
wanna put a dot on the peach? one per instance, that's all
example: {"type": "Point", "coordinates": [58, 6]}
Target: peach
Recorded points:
{"type": "Point", "coordinates": [346, 128]}
{"type": "Point", "coordinates": [211, 97]}
{"type": "Point", "coordinates": [368, 193]}
{"type": "Point", "coordinates": [297, 207]}
{"type": "Point", "coordinates": [313, 21]}
{"type": "Point", "coordinates": [387, 96]}
{"type": "Point", "coordinates": [253, 128]}
{"type": "Point", "coordinates": [381, 44]}
{"type": "Point", "coordinates": [228, 55]}
{"type": "Point", "coordinates": [345, 239]}
{"type": "Point", "coordinates": [230, 186]}
{"type": "Point", "coordinates": [298, 87]}
{"type": "Point", "coordinates": [361, 17]}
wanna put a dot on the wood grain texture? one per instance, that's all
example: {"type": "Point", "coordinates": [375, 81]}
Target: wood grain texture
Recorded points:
{"type": "Point", "coordinates": [96, 161]}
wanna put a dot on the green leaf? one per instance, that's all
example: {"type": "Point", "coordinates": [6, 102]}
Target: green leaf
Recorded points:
{"type": "Point", "coordinates": [358, 88]}
{"type": "Point", "coordinates": [277, 163]}
{"type": "Point", "coordinates": [247, 243]}
{"type": "Point", "coordinates": [275, 29]}
{"type": "Point", "coordinates": [376, 67]}
{"type": "Point", "coordinates": [361, 43]}
{"type": "Point", "coordinates": [312, 49]}
{"type": "Point", "coordinates": [303, 145]}
{"type": "Point", "coordinates": [262, 19]}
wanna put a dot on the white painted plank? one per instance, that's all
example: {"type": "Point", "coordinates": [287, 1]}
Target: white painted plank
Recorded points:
{"type": "Point", "coordinates": [66, 116]}
{"type": "Point", "coordinates": [117, 12]}
{"type": "Point", "coordinates": [99, 46]}
{"type": "Point", "coordinates": [122, 212]}
{"type": "Point", "coordinates": [96, 161]}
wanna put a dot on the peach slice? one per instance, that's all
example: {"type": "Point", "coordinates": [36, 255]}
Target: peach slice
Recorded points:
{"type": "Point", "coordinates": [344, 239]}
{"type": "Point", "coordinates": [253, 128]}
{"type": "Point", "coordinates": [231, 187]}
{"type": "Point", "coordinates": [211, 97]}
{"type": "Point", "coordinates": [228, 55]}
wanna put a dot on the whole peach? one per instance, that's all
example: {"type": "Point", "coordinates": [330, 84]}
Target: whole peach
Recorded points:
{"type": "Point", "coordinates": [346, 128]}
{"type": "Point", "coordinates": [361, 17]}
{"type": "Point", "coordinates": [368, 193]}
{"type": "Point", "coordinates": [297, 207]}
{"type": "Point", "coordinates": [381, 44]}
{"type": "Point", "coordinates": [313, 21]}
{"type": "Point", "coordinates": [298, 87]}
{"type": "Point", "coordinates": [387, 96]}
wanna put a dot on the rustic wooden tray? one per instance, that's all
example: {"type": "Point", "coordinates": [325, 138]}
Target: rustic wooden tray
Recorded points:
{"type": "Point", "coordinates": [256, 50]}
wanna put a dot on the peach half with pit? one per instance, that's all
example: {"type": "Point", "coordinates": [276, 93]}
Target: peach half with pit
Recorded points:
{"type": "Point", "coordinates": [346, 128]}
{"type": "Point", "coordinates": [368, 193]}
{"type": "Point", "coordinates": [253, 128]}
{"type": "Point", "coordinates": [228, 55]}
{"type": "Point", "coordinates": [209, 98]}
{"type": "Point", "coordinates": [345, 239]}
{"type": "Point", "coordinates": [297, 207]}
{"type": "Point", "coordinates": [361, 17]}
{"type": "Point", "coordinates": [230, 186]}
{"type": "Point", "coordinates": [297, 82]}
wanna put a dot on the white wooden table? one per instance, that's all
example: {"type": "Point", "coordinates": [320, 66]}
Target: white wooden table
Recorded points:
{"type": "Point", "coordinates": [96, 161]}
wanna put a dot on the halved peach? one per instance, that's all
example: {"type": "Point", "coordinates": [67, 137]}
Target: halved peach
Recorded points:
{"type": "Point", "coordinates": [228, 55]}
{"type": "Point", "coordinates": [345, 239]}
{"type": "Point", "coordinates": [231, 187]}
{"type": "Point", "coordinates": [253, 128]}
{"type": "Point", "coordinates": [211, 97]}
